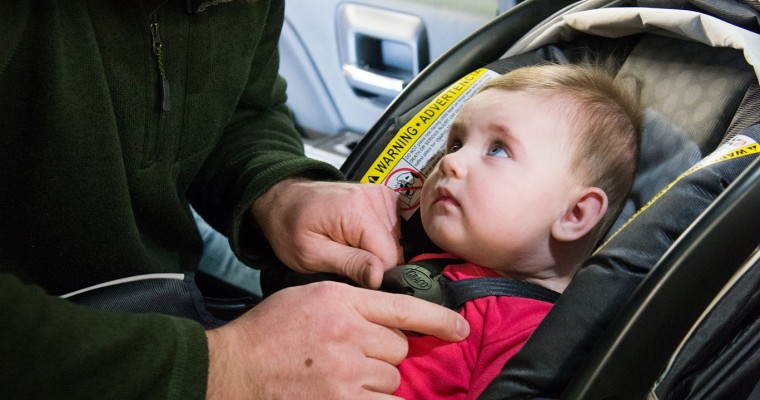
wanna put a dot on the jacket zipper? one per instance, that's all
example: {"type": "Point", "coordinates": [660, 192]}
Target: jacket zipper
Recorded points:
{"type": "Point", "coordinates": [158, 50]}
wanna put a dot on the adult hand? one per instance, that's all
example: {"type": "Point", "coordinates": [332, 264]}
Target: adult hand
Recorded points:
{"type": "Point", "coordinates": [345, 228]}
{"type": "Point", "coordinates": [324, 340]}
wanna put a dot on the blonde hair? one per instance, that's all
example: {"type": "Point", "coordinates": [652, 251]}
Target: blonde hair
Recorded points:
{"type": "Point", "coordinates": [605, 115]}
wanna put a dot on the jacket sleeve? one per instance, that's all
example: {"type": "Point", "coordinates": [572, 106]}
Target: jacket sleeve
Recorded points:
{"type": "Point", "coordinates": [51, 348]}
{"type": "Point", "coordinates": [259, 147]}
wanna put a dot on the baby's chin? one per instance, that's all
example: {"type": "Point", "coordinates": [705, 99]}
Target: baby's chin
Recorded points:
{"type": "Point", "coordinates": [451, 245]}
{"type": "Point", "coordinates": [462, 249]}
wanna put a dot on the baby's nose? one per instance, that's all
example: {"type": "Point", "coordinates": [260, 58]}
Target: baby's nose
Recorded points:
{"type": "Point", "coordinates": [453, 164]}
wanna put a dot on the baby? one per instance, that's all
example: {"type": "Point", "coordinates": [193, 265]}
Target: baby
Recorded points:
{"type": "Point", "coordinates": [537, 166]}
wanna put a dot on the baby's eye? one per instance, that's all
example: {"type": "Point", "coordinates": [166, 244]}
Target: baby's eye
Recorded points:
{"type": "Point", "coordinates": [453, 147]}
{"type": "Point", "coordinates": [498, 150]}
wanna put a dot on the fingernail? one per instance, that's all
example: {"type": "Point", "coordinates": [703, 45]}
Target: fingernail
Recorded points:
{"type": "Point", "coordinates": [367, 278]}
{"type": "Point", "coordinates": [463, 328]}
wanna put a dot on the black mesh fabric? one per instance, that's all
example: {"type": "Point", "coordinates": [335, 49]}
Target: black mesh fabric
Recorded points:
{"type": "Point", "coordinates": [176, 297]}
{"type": "Point", "coordinates": [747, 112]}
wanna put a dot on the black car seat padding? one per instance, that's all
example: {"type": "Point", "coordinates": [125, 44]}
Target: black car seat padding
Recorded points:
{"type": "Point", "coordinates": [718, 361]}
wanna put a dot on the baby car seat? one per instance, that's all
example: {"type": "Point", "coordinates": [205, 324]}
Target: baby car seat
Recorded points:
{"type": "Point", "coordinates": [668, 306]}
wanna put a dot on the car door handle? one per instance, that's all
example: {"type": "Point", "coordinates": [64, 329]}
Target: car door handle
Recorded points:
{"type": "Point", "coordinates": [373, 82]}
{"type": "Point", "coordinates": [381, 50]}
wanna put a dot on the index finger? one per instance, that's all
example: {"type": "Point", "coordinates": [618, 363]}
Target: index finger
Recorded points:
{"type": "Point", "coordinates": [405, 312]}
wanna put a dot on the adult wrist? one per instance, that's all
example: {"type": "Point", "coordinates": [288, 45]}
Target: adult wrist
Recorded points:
{"type": "Point", "coordinates": [224, 379]}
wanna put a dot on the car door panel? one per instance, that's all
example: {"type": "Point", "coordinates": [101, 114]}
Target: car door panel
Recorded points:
{"type": "Point", "coordinates": [345, 61]}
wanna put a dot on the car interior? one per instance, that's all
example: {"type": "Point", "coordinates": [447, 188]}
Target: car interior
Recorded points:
{"type": "Point", "coordinates": [668, 306]}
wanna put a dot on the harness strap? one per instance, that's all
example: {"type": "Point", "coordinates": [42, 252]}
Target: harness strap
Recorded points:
{"type": "Point", "coordinates": [459, 292]}
{"type": "Point", "coordinates": [424, 280]}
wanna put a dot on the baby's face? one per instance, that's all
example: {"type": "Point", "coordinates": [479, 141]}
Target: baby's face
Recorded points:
{"type": "Point", "coordinates": [505, 179]}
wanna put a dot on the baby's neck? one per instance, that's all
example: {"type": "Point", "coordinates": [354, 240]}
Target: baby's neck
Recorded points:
{"type": "Point", "coordinates": [553, 275]}
{"type": "Point", "coordinates": [557, 283]}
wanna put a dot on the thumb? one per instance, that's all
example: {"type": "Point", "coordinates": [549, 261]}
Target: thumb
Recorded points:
{"type": "Point", "coordinates": [359, 265]}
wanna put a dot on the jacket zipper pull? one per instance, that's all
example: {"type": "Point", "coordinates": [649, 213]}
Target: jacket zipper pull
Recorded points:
{"type": "Point", "coordinates": [159, 52]}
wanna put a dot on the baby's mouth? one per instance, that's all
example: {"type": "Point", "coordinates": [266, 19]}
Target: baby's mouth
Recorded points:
{"type": "Point", "coordinates": [444, 196]}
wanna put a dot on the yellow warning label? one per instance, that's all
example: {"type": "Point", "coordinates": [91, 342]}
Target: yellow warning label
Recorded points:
{"type": "Point", "coordinates": [409, 133]}
{"type": "Point", "coordinates": [719, 155]}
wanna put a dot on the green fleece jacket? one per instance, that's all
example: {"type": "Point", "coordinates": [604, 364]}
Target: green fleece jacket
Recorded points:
{"type": "Point", "coordinates": [114, 117]}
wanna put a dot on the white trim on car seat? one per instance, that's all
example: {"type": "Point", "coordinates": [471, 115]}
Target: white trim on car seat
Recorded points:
{"type": "Point", "coordinates": [617, 22]}
{"type": "Point", "coordinates": [175, 276]}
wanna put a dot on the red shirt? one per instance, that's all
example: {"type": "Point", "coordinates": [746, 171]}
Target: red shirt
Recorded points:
{"type": "Point", "coordinates": [499, 327]}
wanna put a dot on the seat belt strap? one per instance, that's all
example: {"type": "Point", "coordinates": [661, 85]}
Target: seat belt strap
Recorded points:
{"type": "Point", "coordinates": [459, 292]}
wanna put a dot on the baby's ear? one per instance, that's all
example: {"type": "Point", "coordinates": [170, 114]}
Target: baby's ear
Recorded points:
{"type": "Point", "coordinates": [582, 216]}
